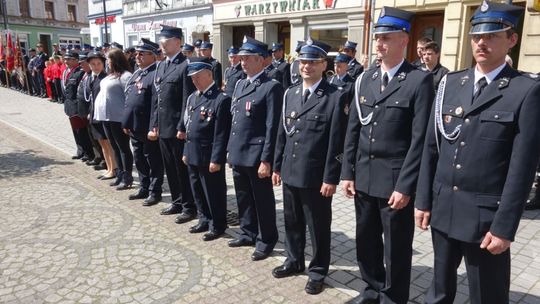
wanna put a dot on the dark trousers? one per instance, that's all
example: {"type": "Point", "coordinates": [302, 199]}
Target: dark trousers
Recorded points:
{"type": "Point", "coordinates": [256, 207]}
{"type": "Point", "coordinates": [83, 142]}
{"type": "Point", "coordinates": [177, 174]}
{"type": "Point", "coordinates": [120, 145]}
{"type": "Point", "coordinates": [148, 162]}
{"type": "Point", "coordinates": [301, 207]}
{"type": "Point", "coordinates": [488, 274]}
{"type": "Point", "coordinates": [210, 194]}
{"type": "Point", "coordinates": [58, 88]}
{"type": "Point", "coordinates": [374, 218]}
{"type": "Point", "coordinates": [40, 82]}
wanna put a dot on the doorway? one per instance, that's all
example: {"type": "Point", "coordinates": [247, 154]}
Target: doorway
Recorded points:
{"type": "Point", "coordinates": [240, 31]}
{"type": "Point", "coordinates": [284, 36]}
{"type": "Point", "coordinates": [45, 40]}
{"type": "Point", "coordinates": [428, 25]}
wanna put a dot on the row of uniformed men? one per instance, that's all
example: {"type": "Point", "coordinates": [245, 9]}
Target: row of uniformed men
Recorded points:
{"type": "Point", "coordinates": [468, 171]}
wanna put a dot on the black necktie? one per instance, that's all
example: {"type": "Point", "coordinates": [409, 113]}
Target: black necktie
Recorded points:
{"type": "Point", "coordinates": [384, 81]}
{"type": "Point", "coordinates": [305, 96]}
{"type": "Point", "coordinates": [481, 84]}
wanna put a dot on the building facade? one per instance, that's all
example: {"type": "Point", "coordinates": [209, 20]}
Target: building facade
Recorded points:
{"type": "Point", "coordinates": [112, 24]}
{"type": "Point", "coordinates": [287, 21]}
{"type": "Point", "coordinates": [447, 22]}
{"type": "Point", "coordinates": [48, 22]}
{"type": "Point", "coordinates": [142, 19]}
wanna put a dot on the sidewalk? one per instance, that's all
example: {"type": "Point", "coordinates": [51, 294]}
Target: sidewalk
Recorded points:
{"type": "Point", "coordinates": [67, 236]}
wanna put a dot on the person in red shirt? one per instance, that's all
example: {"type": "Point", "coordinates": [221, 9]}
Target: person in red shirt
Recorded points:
{"type": "Point", "coordinates": [47, 76]}
{"type": "Point", "coordinates": [57, 75]}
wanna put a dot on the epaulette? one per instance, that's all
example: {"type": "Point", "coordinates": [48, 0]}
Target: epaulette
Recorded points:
{"type": "Point", "coordinates": [296, 84]}
{"type": "Point", "coordinates": [458, 71]}
{"type": "Point", "coordinates": [533, 76]}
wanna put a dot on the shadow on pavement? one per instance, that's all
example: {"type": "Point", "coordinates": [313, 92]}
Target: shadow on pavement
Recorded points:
{"type": "Point", "coordinates": [25, 163]}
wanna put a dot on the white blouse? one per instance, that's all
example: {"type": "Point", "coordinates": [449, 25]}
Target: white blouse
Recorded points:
{"type": "Point", "coordinates": [109, 103]}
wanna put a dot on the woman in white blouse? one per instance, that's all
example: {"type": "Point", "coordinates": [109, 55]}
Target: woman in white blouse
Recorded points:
{"type": "Point", "coordinates": [109, 109]}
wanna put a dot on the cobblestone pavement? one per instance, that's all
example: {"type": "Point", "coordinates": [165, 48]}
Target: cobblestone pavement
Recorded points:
{"type": "Point", "coordinates": [66, 237]}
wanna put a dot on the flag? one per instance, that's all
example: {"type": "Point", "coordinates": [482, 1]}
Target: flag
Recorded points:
{"type": "Point", "coordinates": [2, 46]}
{"type": "Point", "coordinates": [10, 59]}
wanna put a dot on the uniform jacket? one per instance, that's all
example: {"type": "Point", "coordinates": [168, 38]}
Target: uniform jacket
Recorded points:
{"type": "Point", "coordinates": [207, 127]}
{"type": "Point", "coordinates": [384, 155]}
{"type": "Point", "coordinates": [232, 75]}
{"type": "Point", "coordinates": [71, 86]}
{"type": "Point", "coordinates": [94, 88]}
{"type": "Point", "coordinates": [311, 154]}
{"type": "Point", "coordinates": [355, 68]}
{"type": "Point", "coordinates": [83, 95]}
{"type": "Point", "coordinates": [346, 83]}
{"type": "Point", "coordinates": [172, 86]}
{"type": "Point", "coordinates": [253, 132]}
{"type": "Point", "coordinates": [273, 73]}
{"type": "Point", "coordinates": [139, 95]}
{"type": "Point", "coordinates": [217, 70]}
{"type": "Point", "coordinates": [438, 73]}
{"type": "Point", "coordinates": [40, 61]}
{"type": "Point", "coordinates": [285, 68]}
{"type": "Point", "coordinates": [295, 72]}
{"type": "Point", "coordinates": [480, 181]}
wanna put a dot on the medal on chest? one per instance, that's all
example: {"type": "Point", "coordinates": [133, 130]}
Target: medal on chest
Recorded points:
{"type": "Point", "coordinates": [248, 108]}
{"type": "Point", "coordinates": [202, 114]}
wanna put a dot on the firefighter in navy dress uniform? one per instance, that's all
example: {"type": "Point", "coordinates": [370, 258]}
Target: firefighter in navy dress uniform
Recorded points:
{"type": "Point", "coordinates": [207, 121]}
{"type": "Point", "coordinates": [206, 51]}
{"type": "Point", "coordinates": [234, 72]}
{"type": "Point", "coordinates": [172, 86]}
{"type": "Point", "coordinates": [479, 161]}
{"type": "Point", "coordinates": [136, 120]}
{"type": "Point", "coordinates": [381, 160]}
{"type": "Point", "coordinates": [308, 152]}
{"type": "Point", "coordinates": [281, 65]}
{"type": "Point", "coordinates": [355, 68]}
{"type": "Point", "coordinates": [295, 70]}
{"type": "Point", "coordinates": [255, 106]}
{"type": "Point", "coordinates": [341, 78]}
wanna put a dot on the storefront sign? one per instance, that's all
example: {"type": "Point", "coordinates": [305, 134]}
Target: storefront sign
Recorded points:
{"type": "Point", "coordinates": [110, 19]}
{"type": "Point", "coordinates": [154, 25]}
{"type": "Point", "coordinates": [282, 6]}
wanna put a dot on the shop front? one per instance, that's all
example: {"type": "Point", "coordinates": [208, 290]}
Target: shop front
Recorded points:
{"type": "Point", "coordinates": [195, 22]}
{"type": "Point", "coordinates": [287, 21]}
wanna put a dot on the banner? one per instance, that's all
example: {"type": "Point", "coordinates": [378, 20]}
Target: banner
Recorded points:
{"type": "Point", "coordinates": [10, 59]}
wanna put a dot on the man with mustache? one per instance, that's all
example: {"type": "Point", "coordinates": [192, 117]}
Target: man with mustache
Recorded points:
{"type": "Point", "coordinates": [479, 159]}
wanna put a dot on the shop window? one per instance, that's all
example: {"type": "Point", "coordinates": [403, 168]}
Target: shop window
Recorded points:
{"type": "Point", "coordinates": [72, 13]}
{"type": "Point", "coordinates": [24, 8]}
{"type": "Point", "coordinates": [49, 10]}
{"type": "Point", "coordinates": [336, 38]}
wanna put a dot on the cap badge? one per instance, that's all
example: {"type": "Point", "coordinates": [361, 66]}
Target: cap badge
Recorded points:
{"type": "Point", "coordinates": [503, 82]}
{"type": "Point", "coordinates": [245, 39]}
{"type": "Point", "coordinates": [382, 13]}
{"type": "Point", "coordinates": [309, 41]}
{"type": "Point", "coordinates": [484, 8]}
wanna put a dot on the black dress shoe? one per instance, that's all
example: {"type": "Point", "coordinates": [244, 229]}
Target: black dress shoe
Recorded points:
{"type": "Point", "coordinates": [172, 209]}
{"type": "Point", "coordinates": [94, 162]}
{"type": "Point", "coordinates": [84, 158]}
{"type": "Point", "coordinates": [151, 200]}
{"type": "Point", "coordinates": [184, 217]}
{"type": "Point", "coordinates": [286, 270]}
{"type": "Point", "coordinates": [259, 255]}
{"type": "Point", "coordinates": [200, 227]}
{"type": "Point", "coordinates": [212, 235]}
{"type": "Point", "coordinates": [76, 157]}
{"type": "Point", "coordinates": [103, 177]}
{"type": "Point", "coordinates": [314, 287]}
{"type": "Point", "coordinates": [533, 203]}
{"type": "Point", "coordinates": [139, 195]}
{"type": "Point", "coordinates": [240, 243]}
{"type": "Point", "coordinates": [100, 167]}
{"type": "Point", "coordinates": [363, 300]}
